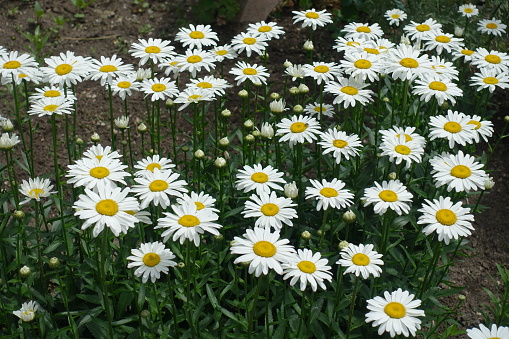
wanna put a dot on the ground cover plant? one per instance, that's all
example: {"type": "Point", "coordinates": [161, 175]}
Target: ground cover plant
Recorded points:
{"type": "Point", "coordinates": [334, 208]}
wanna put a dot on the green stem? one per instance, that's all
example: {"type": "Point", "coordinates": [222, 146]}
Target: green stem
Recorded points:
{"type": "Point", "coordinates": [352, 306]}
{"type": "Point", "coordinates": [104, 283]}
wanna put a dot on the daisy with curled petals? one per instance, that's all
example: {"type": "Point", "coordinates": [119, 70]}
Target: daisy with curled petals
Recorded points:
{"type": "Point", "coordinates": [253, 73]}
{"type": "Point", "coordinates": [312, 18]}
{"type": "Point", "coordinates": [35, 189]}
{"type": "Point", "coordinates": [151, 259]}
{"type": "Point", "coordinates": [408, 132]}
{"type": "Point", "coordinates": [484, 332]}
{"type": "Point", "coordinates": [361, 65]}
{"type": "Point", "coordinates": [106, 207]}
{"type": "Point", "coordinates": [490, 79]}
{"type": "Point", "coordinates": [295, 71]}
{"type": "Point", "coordinates": [65, 68]}
{"type": "Point", "coordinates": [216, 86]}
{"type": "Point", "coordinates": [459, 172]}
{"type": "Point", "coordinates": [261, 179]}
{"type": "Point", "coordinates": [155, 50]}
{"type": "Point", "coordinates": [440, 88]}
{"type": "Point", "coordinates": [298, 129]}
{"type": "Point", "coordinates": [323, 109]}
{"type": "Point", "coordinates": [8, 142]}
{"type": "Point", "coordinates": [340, 144]}
{"type": "Point", "coordinates": [198, 36]}
{"type": "Point", "coordinates": [361, 260]}
{"type": "Point", "coordinates": [329, 193]}
{"type": "Point", "coordinates": [194, 60]}
{"type": "Point", "coordinates": [95, 173]}
{"type": "Point", "coordinates": [159, 89]}
{"type": "Point", "coordinates": [270, 210]}
{"type": "Point", "coordinates": [193, 95]}
{"type": "Point", "coordinates": [263, 250]}
{"type": "Point", "coordinates": [350, 44]}
{"type": "Point", "coordinates": [51, 92]}
{"type": "Point", "coordinates": [249, 42]}
{"type": "Point", "coordinates": [125, 85]}
{"type": "Point", "coordinates": [307, 267]}
{"type": "Point", "coordinates": [99, 152]}
{"type": "Point", "coordinates": [454, 126]}
{"type": "Point", "coordinates": [357, 30]}
{"type": "Point", "coordinates": [156, 187]}
{"type": "Point", "coordinates": [219, 53]}
{"type": "Point", "coordinates": [151, 163]}
{"type": "Point", "coordinates": [494, 60]}
{"type": "Point", "coordinates": [322, 71]}
{"type": "Point", "coordinates": [439, 41]}
{"type": "Point", "coordinates": [395, 16]}
{"type": "Point", "coordinates": [201, 200]}
{"type": "Point", "coordinates": [395, 313]}
{"type": "Point", "coordinates": [349, 91]}
{"type": "Point", "coordinates": [267, 30]}
{"type": "Point", "coordinates": [187, 222]}
{"type": "Point", "coordinates": [482, 128]}
{"type": "Point", "coordinates": [27, 311]}
{"type": "Point", "coordinates": [50, 106]}
{"type": "Point", "coordinates": [390, 194]}
{"type": "Point", "coordinates": [35, 76]}
{"type": "Point", "coordinates": [443, 68]}
{"type": "Point", "coordinates": [448, 220]}
{"type": "Point", "coordinates": [405, 63]}
{"type": "Point", "coordinates": [465, 53]}
{"type": "Point", "coordinates": [108, 69]}
{"type": "Point", "coordinates": [12, 64]}
{"type": "Point", "coordinates": [398, 150]}
{"type": "Point", "coordinates": [418, 31]}
{"type": "Point", "coordinates": [491, 27]}
{"type": "Point", "coordinates": [468, 10]}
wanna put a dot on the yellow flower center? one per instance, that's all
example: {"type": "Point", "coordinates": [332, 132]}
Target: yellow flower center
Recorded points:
{"type": "Point", "coordinates": [452, 127]}
{"type": "Point", "coordinates": [63, 69]}
{"type": "Point", "coordinates": [124, 84]}
{"type": "Point", "coordinates": [222, 52]}
{"type": "Point", "coordinates": [50, 108]}
{"type": "Point", "coordinates": [371, 50]}
{"type": "Point", "coordinates": [269, 209]}
{"type": "Point", "coordinates": [349, 90]}
{"type": "Point", "coordinates": [409, 63]}
{"type": "Point", "coordinates": [249, 41]}
{"type": "Point", "coordinates": [438, 86]}
{"type": "Point", "coordinates": [199, 205]}
{"type": "Point", "coordinates": [130, 212]}
{"type": "Point", "coordinates": [107, 207]}
{"type": "Point", "coordinates": [363, 29]}
{"type": "Point", "coordinates": [493, 59]}
{"type": "Point", "coordinates": [298, 127]}
{"type": "Point", "coordinates": [360, 259]}
{"type": "Point", "coordinates": [395, 16]}
{"type": "Point", "coordinates": [317, 109]}
{"type": "Point", "coordinates": [189, 220]}
{"type": "Point", "coordinates": [491, 25]}
{"type": "Point", "coordinates": [395, 310]}
{"type": "Point", "coordinates": [21, 76]}
{"type": "Point", "coordinates": [312, 15]}
{"type": "Point", "coordinates": [442, 38]}
{"type": "Point", "coordinates": [362, 63]}
{"type": "Point", "coordinates": [259, 177]}
{"type": "Point", "coordinates": [12, 64]}
{"type": "Point", "coordinates": [194, 59]}
{"type": "Point", "coordinates": [196, 35]}
{"type": "Point", "coordinates": [490, 80]}
{"type": "Point", "coordinates": [329, 192]}
{"type": "Point", "coordinates": [407, 137]}
{"type": "Point", "coordinates": [402, 149]}
{"type": "Point", "coordinates": [52, 93]}
{"type": "Point", "coordinates": [477, 124]}
{"type": "Point", "coordinates": [204, 84]}
{"type": "Point", "coordinates": [467, 52]}
{"type": "Point", "coordinates": [495, 338]}
{"type": "Point", "coordinates": [151, 259]}
{"type": "Point", "coordinates": [468, 10]}
{"type": "Point", "coordinates": [99, 157]}
{"type": "Point", "coordinates": [461, 171]}
{"type": "Point", "coordinates": [99, 172]}
{"type": "Point", "coordinates": [353, 43]}
{"type": "Point", "coordinates": [152, 49]}
{"type": "Point", "coordinates": [35, 192]}
{"type": "Point", "coordinates": [446, 217]}
{"type": "Point", "coordinates": [194, 97]}
{"type": "Point", "coordinates": [108, 68]}
{"type": "Point", "coordinates": [249, 71]}
{"type": "Point", "coordinates": [158, 185]}
{"type": "Point", "coordinates": [422, 28]}
{"type": "Point", "coordinates": [388, 196]}
{"type": "Point", "coordinates": [265, 29]}
{"type": "Point", "coordinates": [321, 69]}
{"type": "Point", "coordinates": [158, 87]}
{"type": "Point", "coordinates": [152, 166]}
{"type": "Point", "coordinates": [340, 143]}
{"type": "Point", "coordinates": [306, 266]}
{"type": "Point", "coordinates": [264, 249]}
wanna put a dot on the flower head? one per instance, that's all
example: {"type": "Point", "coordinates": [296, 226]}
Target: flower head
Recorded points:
{"type": "Point", "coordinates": [194, 60]}
{"type": "Point", "coordinates": [307, 267]}
{"type": "Point", "coordinates": [27, 311]}
{"type": "Point", "coordinates": [50, 106]}
{"type": "Point", "coordinates": [459, 172]}
{"type": "Point", "coordinates": [157, 187]}
{"type": "Point", "coordinates": [312, 18]}
{"type": "Point", "coordinates": [249, 42]}
{"type": "Point", "coordinates": [66, 69]}
{"type": "Point", "coordinates": [151, 259]}
{"type": "Point", "coordinates": [340, 144]}
{"type": "Point", "coordinates": [267, 30]}
{"type": "Point", "coordinates": [156, 50]}
{"type": "Point", "coordinates": [349, 92]}
{"type": "Point", "coordinates": [35, 189]}
{"type": "Point", "coordinates": [395, 16]}
{"type": "Point", "coordinates": [468, 10]}
{"type": "Point", "coordinates": [254, 73]}
{"type": "Point", "coordinates": [93, 173]}
{"type": "Point", "coordinates": [329, 193]}
{"type": "Point", "coordinates": [159, 89]}
{"type": "Point", "coordinates": [8, 142]}
{"type": "Point", "coordinates": [198, 36]}
{"type": "Point", "coordinates": [108, 69]}
{"type": "Point", "coordinates": [491, 27]}
{"type": "Point", "coordinates": [484, 332]}
{"type": "Point", "coordinates": [270, 210]}
{"type": "Point", "coordinates": [454, 126]}
{"type": "Point", "coordinates": [391, 194]}
{"type": "Point", "coordinates": [361, 260]}
{"type": "Point", "coordinates": [259, 178]}
{"type": "Point", "coordinates": [298, 129]}
{"type": "Point", "coordinates": [363, 31]}
{"type": "Point", "coordinates": [322, 71]}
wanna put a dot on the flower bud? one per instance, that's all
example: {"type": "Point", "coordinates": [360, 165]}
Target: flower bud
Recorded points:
{"type": "Point", "coordinates": [392, 176]}
{"type": "Point", "coordinates": [462, 297]}
{"type": "Point", "coordinates": [277, 106]}
{"type": "Point", "coordinates": [349, 217]}
{"type": "Point", "coordinates": [275, 96]}
{"type": "Point", "coordinates": [305, 235]}
{"type": "Point", "coordinates": [124, 142]}
{"type": "Point", "coordinates": [54, 262]}
{"type": "Point", "coordinates": [219, 237]}
{"type": "Point", "coordinates": [444, 105]}
{"type": "Point", "coordinates": [145, 314]}
{"type": "Point", "coordinates": [226, 113]}
{"type": "Point", "coordinates": [7, 125]}
{"type": "Point", "coordinates": [294, 90]}
{"type": "Point", "coordinates": [220, 162]}
{"type": "Point", "coordinates": [169, 103]}
{"type": "Point", "coordinates": [303, 89]}
{"type": "Point", "coordinates": [95, 137]}
{"type": "Point", "coordinates": [79, 141]}
{"type": "Point", "coordinates": [243, 94]}
{"type": "Point", "coordinates": [18, 214]}
{"type": "Point", "coordinates": [298, 109]}
{"type": "Point", "coordinates": [506, 118]}
{"type": "Point", "coordinates": [24, 271]}
{"type": "Point", "coordinates": [320, 233]}
{"type": "Point", "coordinates": [264, 55]}
{"type": "Point", "coordinates": [249, 138]}
{"type": "Point", "coordinates": [343, 244]}
{"type": "Point", "coordinates": [248, 124]}
{"type": "Point", "coordinates": [224, 142]}
{"type": "Point", "coordinates": [181, 264]}
{"type": "Point", "coordinates": [267, 130]}
{"type": "Point", "coordinates": [308, 46]}
{"type": "Point", "coordinates": [142, 128]}
{"type": "Point", "coordinates": [142, 74]}
{"type": "Point", "coordinates": [385, 99]}
{"type": "Point", "coordinates": [458, 31]}
{"type": "Point", "coordinates": [287, 64]}
{"type": "Point", "coordinates": [489, 182]}
{"type": "Point", "coordinates": [185, 148]}
{"type": "Point", "coordinates": [199, 154]}
{"type": "Point", "coordinates": [256, 133]}
{"type": "Point", "coordinates": [291, 190]}
{"type": "Point", "coordinates": [122, 122]}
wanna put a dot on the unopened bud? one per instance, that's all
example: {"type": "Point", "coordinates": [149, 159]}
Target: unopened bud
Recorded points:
{"type": "Point", "coordinates": [54, 262]}
{"type": "Point", "coordinates": [291, 190]}
{"type": "Point", "coordinates": [7, 125]}
{"type": "Point", "coordinates": [489, 182]}
{"type": "Point", "coordinates": [343, 244]}
{"type": "Point", "coordinates": [298, 109]}
{"type": "Point", "coordinates": [320, 233]}
{"type": "Point", "coordinates": [19, 214]}
{"type": "Point", "coordinates": [224, 142]}
{"type": "Point", "coordinates": [145, 314]}
{"type": "Point", "coordinates": [287, 64]}
{"type": "Point", "coordinates": [181, 264]}
{"type": "Point", "coordinates": [392, 176]}
{"type": "Point", "coordinates": [248, 124]}
{"type": "Point", "coordinates": [169, 103]}
{"type": "Point", "coordinates": [305, 235]}
{"type": "Point", "coordinates": [24, 271]}
{"type": "Point", "coordinates": [79, 141]}
{"type": "Point", "coordinates": [249, 138]}
{"type": "Point", "coordinates": [385, 99]}
{"type": "Point", "coordinates": [199, 154]}
{"type": "Point", "coordinates": [219, 237]}
{"type": "Point", "coordinates": [294, 90]}
{"type": "Point", "coordinates": [226, 113]}
{"type": "Point", "coordinates": [349, 217]}
{"type": "Point", "coordinates": [506, 118]}
{"type": "Point", "coordinates": [458, 31]}
{"type": "Point", "coordinates": [185, 148]}
{"type": "Point", "coordinates": [444, 105]}
{"type": "Point", "coordinates": [308, 45]}
{"type": "Point", "coordinates": [220, 162]}
{"type": "Point", "coordinates": [275, 96]}
{"type": "Point", "coordinates": [142, 128]}
{"type": "Point", "coordinates": [243, 94]}
{"type": "Point", "coordinates": [95, 137]}
{"type": "Point", "coordinates": [267, 130]}
{"type": "Point", "coordinates": [256, 133]}
{"type": "Point", "coordinates": [462, 297]}
{"type": "Point", "coordinates": [303, 89]}
{"type": "Point", "coordinates": [122, 122]}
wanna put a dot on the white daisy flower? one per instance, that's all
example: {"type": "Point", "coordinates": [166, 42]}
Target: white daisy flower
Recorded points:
{"type": "Point", "coordinates": [194, 60]}
{"type": "Point", "coordinates": [35, 75]}
{"type": "Point", "coordinates": [99, 152]}
{"type": "Point", "coordinates": [398, 150]}
{"type": "Point", "coordinates": [13, 64]}
{"type": "Point", "coordinates": [249, 42]}
{"type": "Point", "coordinates": [443, 68]}
{"type": "Point", "coordinates": [494, 60]}
{"type": "Point", "coordinates": [307, 267]}
{"type": "Point", "coordinates": [35, 189]}
{"type": "Point", "coordinates": [448, 220]}
{"type": "Point", "coordinates": [361, 260]}
{"type": "Point", "coordinates": [267, 30]}
{"type": "Point", "coordinates": [52, 92]}
{"type": "Point", "coordinates": [490, 79]}
{"type": "Point", "coordinates": [159, 89]}
{"type": "Point", "coordinates": [466, 54]}
{"type": "Point", "coordinates": [278, 106]}
{"type": "Point", "coordinates": [92, 173]}
{"type": "Point", "coordinates": [357, 30]}
{"type": "Point", "coordinates": [395, 16]}
{"type": "Point", "coordinates": [219, 53]}
{"type": "Point", "coordinates": [270, 210]}
{"type": "Point", "coordinates": [108, 69]}
{"type": "Point", "coordinates": [491, 27]}
{"type": "Point", "coordinates": [405, 63]}
{"type": "Point", "coordinates": [391, 194]}
{"type": "Point", "coordinates": [155, 50]}
{"type": "Point", "coordinates": [193, 95]}
{"type": "Point", "coordinates": [329, 193]}
{"type": "Point", "coordinates": [8, 142]}
{"type": "Point", "coordinates": [151, 163]}
{"type": "Point", "coordinates": [340, 144]}
{"type": "Point", "coordinates": [187, 222]}
{"type": "Point", "coordinates": [349, 91]}
{"type": "Point", "coordinates": [50, 106]}
{"type": "Point", "coordinates": [65, 69]}
{"type": "Point", "coordinates": [418, 31]}
{"type": "Point", "coordinates": [27, 311]}
{"type": "Point", "coordinates": [216, 86]}
{"type": "Point", "coordinates": [254, 73]}
{"type": "Point", "coordinates": [459, 172]}
{"type": "Point", "coordinates": [259, 178]}
{"type": "Point", "coordinates": [263, 250]}
{"type": "Point", "coordinates": [201, 200]}
{"type": "Point", "coordinates": [439, 41]}
{"type": "Point", "coordinates": [295, 71]}
{"type": "Point", "coordinates": [157, 187]}
{"type": "Point", "coordinates": [151, 259]}
{"type": "Point", "coordinates": [454, 126]}
{"type": "Point", "coordinates": [408, 132]}
{"type": "Point", "coordinates": [312, 18]}
{"type": "Point", "coordinates": [198, 36]}
{"type": "Point", "coordinates": [361, 65]}
{"type": "Point", "coordinates": [482, 128]}
{"type": "Point", "coordinates": [322, 71]}
{"type": "Point", "coordinates": [298, 129]}
{"type": "Point", "coordinates": [440, 88]}
{"type": "Point", "coordinates": [484, 332]}
{"type": "Point", "coordinates": [395, 313]}
{"type": "Point", "coordinates": [468, 10]}
{"type": "Point", "coordinates": [349, 45]}
{"type": "Point", "coordinates": [106, 208]}
{"type": "Point", "coordinates": [125, 85]}
{"type": "Point", "coordinates": [315, 108]}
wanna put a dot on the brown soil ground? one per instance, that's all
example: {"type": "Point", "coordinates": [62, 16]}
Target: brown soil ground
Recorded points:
{"type": "Point", "coordinates": [109, 27]}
